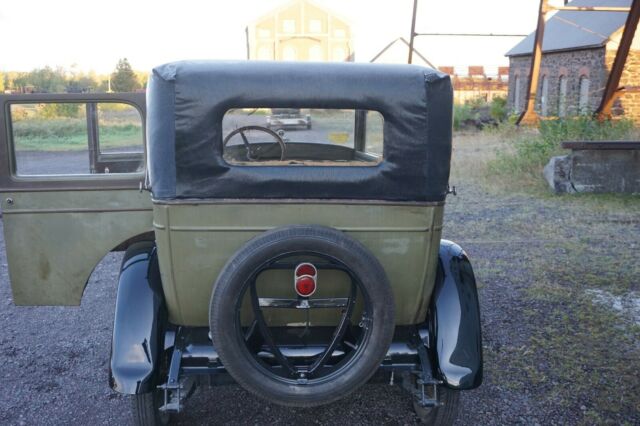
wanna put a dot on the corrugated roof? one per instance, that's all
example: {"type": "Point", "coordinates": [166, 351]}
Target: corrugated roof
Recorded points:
{"type": "Point", "coordinates": [567, 30]}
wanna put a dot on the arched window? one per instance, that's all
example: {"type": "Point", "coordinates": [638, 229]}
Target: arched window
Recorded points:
{"type": "Point", "coordinates": [562, 96]}
{"type": "Point", "coordinates": [339, 54]}
{"type": "Point", "coordinates": [289, 53]}
{"type": "Point", "coordinates": [583, 102]}
{"type": "Point", "coordinates": [516, 95]}
{"type": "Point", "coordinates": [315, 53]}
{"type": "Point", "coordinates": [264, 53]}
{"type": "Point", "coordinates": [544, 97]}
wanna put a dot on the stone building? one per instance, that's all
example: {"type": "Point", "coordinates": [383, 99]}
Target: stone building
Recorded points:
{"type": "Point", "coordinates": [300, 31]}
{"type": "Point", "coordinates": [577, 54]}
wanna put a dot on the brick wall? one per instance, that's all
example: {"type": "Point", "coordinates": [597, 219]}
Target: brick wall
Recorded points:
{"type": "Point", "coordinates": [572, 65]}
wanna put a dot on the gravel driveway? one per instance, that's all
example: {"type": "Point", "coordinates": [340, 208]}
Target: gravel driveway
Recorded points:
{"type": "Point", "coordinates": [554, 353]}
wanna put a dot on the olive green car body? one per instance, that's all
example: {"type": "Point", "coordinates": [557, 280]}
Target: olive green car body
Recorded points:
{"type": "Point", "coordinates": [57, 229]}
{"type": "Point", "coordinates": [54, 240]}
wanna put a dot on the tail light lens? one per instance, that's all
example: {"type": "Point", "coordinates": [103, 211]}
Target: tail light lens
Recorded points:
{"type": "Point", "coordinates": [305, 279]}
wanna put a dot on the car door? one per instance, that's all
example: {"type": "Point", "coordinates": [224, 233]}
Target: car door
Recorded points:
{"type": "Point", "coordinates": [72, 170]}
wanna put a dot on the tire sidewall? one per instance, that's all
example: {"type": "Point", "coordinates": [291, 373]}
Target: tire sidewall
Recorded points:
{"type": "Point", "coordinates": [231, 285]}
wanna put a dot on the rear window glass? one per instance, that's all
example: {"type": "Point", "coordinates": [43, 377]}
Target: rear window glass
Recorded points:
{"type": "Point", "coordinates": [294, 136]}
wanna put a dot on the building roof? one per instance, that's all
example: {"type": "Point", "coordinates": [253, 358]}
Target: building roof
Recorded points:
{"type": "Point", "coordinates": [570, 30]}
{"type": "Point", "coordinates": [400, 46]}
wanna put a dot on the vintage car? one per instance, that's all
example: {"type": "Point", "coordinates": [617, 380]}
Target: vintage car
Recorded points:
{"type": "Point", "coordinates": [288, 118]}
{"type": "Point", "coordinates": [301, 269]}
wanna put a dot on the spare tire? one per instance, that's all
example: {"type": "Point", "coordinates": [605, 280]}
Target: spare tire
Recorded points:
{"type": "Point", "coordinates": [320, 378]}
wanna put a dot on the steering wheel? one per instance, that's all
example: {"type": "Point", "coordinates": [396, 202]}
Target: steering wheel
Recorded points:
{"type": "Point", "coordinates": [254, 155]}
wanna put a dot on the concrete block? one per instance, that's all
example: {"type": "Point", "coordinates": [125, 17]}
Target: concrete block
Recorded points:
{"type": "Point", "coordinates": [557, 173]}
{"type": "Point", "coordinates": [603, 170]}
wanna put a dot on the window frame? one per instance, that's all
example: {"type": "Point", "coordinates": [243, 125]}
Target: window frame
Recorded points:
{"type": "Point", "coordinates": [11, 181]}
{"type": "Point", "coordinates": [359, 140]}
{"type": "Point", "coordinates": [584, 86]}
{"type": "Point", "coordinates": [562, 96]}
{"type": "Point", "coordinates": [544, 96]}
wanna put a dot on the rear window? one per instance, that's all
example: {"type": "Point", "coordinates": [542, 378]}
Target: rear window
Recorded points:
{"type": "Point", "coordinates": [299, 137]}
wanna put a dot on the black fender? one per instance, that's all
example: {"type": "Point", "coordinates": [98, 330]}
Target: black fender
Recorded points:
{"type": "Point", "coordinates": [139, 324]}
{"type": "Point", "coordinates": [455, 339]}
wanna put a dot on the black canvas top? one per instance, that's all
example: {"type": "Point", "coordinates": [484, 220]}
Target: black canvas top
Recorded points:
{"type": "Point", "coordinates": [186, 102]}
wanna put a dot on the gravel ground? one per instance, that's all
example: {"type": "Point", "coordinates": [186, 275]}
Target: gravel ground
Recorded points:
{"type": "Point", "coordinates": [552, 354]}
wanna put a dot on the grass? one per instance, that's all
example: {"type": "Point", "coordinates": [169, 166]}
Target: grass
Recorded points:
{"type": "Point", "coordinates": [63, 126]}
{"type": "Point", "coordinates": [70, 134]}
{"type": "Point", "coordinates": [524, 152]}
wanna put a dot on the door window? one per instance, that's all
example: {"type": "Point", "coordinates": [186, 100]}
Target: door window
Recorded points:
{"type": "Point", "coordinates": [70, 138]}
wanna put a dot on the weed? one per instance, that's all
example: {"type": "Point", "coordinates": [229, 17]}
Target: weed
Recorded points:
{"type": "Point", "coordinates": [525, 152]}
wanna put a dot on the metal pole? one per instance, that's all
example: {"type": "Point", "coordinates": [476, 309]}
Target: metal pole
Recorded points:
{"type": "Point", "coordinates": [471, 35]}
{"type": "Point", "coordinates": [246, 35]}
{"type": "Point", "coordinates": [529, 115]}
{"type": "Point", "coordinates": [589, 8]}
{"type": "Point", "coordinates": [413, 30]}
{"type": "Point", "coordinates": [611, 89]}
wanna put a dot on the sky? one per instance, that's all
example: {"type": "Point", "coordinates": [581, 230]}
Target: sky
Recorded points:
{"type": "Point", "coordinates": [93, 35]}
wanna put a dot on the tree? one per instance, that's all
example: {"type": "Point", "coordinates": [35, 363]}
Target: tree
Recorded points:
{"type": "Point", "coordinates": [123, 79]}
{"type": "Point", "coordinates": [2, 77]}
{"type": "Point", "coordinates": [47, 79]}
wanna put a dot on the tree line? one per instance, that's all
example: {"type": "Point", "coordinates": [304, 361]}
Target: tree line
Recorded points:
{"type": "Point", "coordinates": [63, 80]}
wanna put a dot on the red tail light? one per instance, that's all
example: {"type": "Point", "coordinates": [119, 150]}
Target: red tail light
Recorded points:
{"type": "Point", "coordinates": [305, 279]}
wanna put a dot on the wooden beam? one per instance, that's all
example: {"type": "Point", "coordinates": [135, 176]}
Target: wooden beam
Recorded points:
{"type": "Point", "coordinates": [611, 90]}
{"type": "Point", "coordinates": [529, 115]}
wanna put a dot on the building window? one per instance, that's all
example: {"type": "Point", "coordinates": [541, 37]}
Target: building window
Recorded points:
{"type": "Point", "coordinates": [289, 53]}
{"type": "Point", "coordinates": [289, 26]}
{"type": "Point", "coordinates": [339, 33]}
{"type": "Point", "coordinates": [264, 53]}
{"type": "Point", "coordinates": [262, 33]}
{"type": "Point", "coordinates": [339, 54]}
{"type": "Point", "coordinates": [562, 96]}
{"type": "Point", "coordinates": [544, 97]}
{"type": "Point", "coordinates": [315, 53]}
{"type": "Point", "coordinates": [516, 95]}
{"type": "Point", "coordinates": [583, 102]}
{"type": "Point", "coordinates": [315, 26]}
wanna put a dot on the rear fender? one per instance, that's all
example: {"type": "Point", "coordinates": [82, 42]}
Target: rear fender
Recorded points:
{"type": "Point", "coordinates": [139, 324]}
{"type": "Point", "coordinates": [455, 340]}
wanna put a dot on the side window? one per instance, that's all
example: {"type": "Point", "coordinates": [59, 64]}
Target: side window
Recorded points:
{"type": "Point", "coordinates": [68, 139]}
{"type": "Point", "coordinates": [301, 137]}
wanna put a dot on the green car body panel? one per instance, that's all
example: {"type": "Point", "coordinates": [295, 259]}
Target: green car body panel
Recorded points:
{"type": "Point", "coordinates": [195, 239]}
{"type": "Point", "coordinates": [54, 239]}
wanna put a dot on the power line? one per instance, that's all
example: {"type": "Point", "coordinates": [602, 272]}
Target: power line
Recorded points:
{"type": "Point", "coordinates": [470, 34]}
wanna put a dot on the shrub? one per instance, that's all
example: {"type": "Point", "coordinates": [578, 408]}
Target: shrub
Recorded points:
{"type": "Point", "coordinates": [498, 108]}
{"type": "Point", "coordinates": [56, 110]}
{"type": "Point", "coordinates": [527, 151]}
{"type": "Point", "coordinates": [461, 113]}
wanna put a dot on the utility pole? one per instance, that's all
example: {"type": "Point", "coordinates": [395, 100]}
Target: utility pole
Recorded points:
{"type": "Point", "coordinates": [413, 30]}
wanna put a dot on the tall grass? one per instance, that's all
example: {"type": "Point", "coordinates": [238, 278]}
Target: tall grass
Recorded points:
{"type": "Point", "coordinates": [70, 134]}
{"type": "Point", "coordinates": [525, 152]}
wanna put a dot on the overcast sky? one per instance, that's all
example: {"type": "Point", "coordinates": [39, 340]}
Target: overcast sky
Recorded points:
{"type": "Point", "coordinates": [93, 35]}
